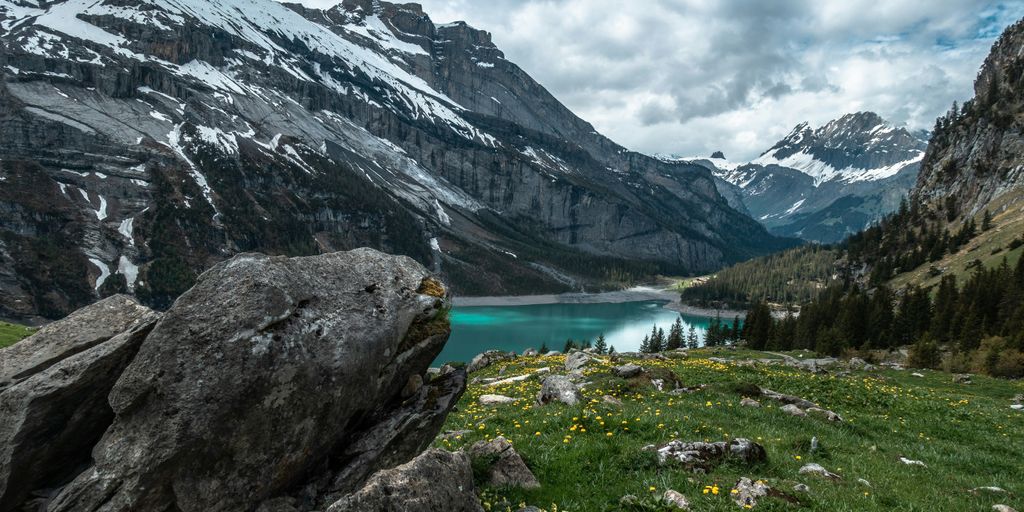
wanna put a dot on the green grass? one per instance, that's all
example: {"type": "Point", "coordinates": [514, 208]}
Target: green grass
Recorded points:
{"type": "Point", "coordinates": [968, 436]}
{"type": "Point", "coordinates": [13, 333]}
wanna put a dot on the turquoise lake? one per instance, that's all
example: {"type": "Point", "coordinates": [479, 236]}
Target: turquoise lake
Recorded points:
{"type": "Point", "coordinates": [516, 328]}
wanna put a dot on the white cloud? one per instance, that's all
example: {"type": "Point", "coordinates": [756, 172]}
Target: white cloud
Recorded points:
{"type": "Point", "coordinates": [694, 76]}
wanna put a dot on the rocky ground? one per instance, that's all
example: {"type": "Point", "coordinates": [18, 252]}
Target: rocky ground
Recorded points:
{"type": "Point", "coordinates": [726, 429]}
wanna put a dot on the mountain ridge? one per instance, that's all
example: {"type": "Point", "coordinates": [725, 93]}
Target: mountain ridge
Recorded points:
{"type": "Point", "coordinates": [155, 138]}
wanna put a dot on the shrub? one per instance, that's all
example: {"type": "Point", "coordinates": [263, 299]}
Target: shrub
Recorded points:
{"type": "Point", "coordinates": [924, 354]}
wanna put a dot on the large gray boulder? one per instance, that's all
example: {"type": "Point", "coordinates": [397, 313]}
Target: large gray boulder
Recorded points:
{"type": "Point", "coordinates": [434, 481]}
{"type": "Point", "coordinates": [53, 394]}
{"type": "Point", "coordinates": [701, 457]}
{"type": "Point", "coordinates": [558, 388]}
{"type": "Point", "coordinates": [263, 373]}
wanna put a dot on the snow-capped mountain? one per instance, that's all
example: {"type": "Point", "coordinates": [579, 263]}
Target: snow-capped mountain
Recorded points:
{"type": "Point", "coordinates": [824, 184]}
{"type": "Point", "coordinates": [141, 141]}
{"type": "Point", "coordinates": [855, 147]}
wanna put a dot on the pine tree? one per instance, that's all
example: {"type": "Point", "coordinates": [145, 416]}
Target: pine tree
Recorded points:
{"type": "Point", "coordinates": [986, 221]}
{"type": "Point", "coordinates": [569, 345]}
{"type": "Point", "coordinates": [611, 349]}
{"type": "Point", "coordinates": [675, 335]}
{"type": "Point", "coordinates": [601, 345]}
{"type": "Point", "coordinates": [645, 345]}
{"type": "Point", "coordinates": [544, 348]}
{"type": "Point", "coordinates": [691, 338]}
{"type": "Point", "coordinates": [660, 342]}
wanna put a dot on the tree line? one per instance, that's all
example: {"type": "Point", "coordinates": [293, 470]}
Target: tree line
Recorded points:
{"type": "Point", "coordinates": [979, 324]}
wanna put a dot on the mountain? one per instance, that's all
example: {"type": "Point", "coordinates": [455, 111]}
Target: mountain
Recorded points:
{"type": "Point", "coordinates": [827, 183]}
{"type": "Point", "coordinates": [142, 141]}
{"type": "Point", "coordinates": [976, 157]}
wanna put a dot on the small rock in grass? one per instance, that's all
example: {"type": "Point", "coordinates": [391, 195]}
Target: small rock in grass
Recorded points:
{"type": "Point", "coordinates": [962, 378]}
{"type": "Point", "coordinates": [530, 352]}
{"type": "Point", "coordinates": [1017, 407]}
{"type": "Point", "coordinates": [826, 414]}
{"type": "Point", "coordinates": [1002, 508]}
{"type": "Point", "coordinates": [863, 482]}
{"type": "Point", "coordinates": [676, 499]}
{"type": "Point", "coordinates": [989, 489]}
{"type": "Point", "coordinates": [558, 388]}
{"type": "Point", "coordinates": [576, 361]}
{"type": "Point", "coordinates": [529, 509]}
{"type": "Point", "coordinates": [801, 488]}
{"type": "Point", "coordinates": [1018, 399]}
{"type": "Point", "coordinates": [487, 400]}
{"type": "Point", "coordinates": [702, 457]}
{"type": "Point", "coordinates": [746, 492]}
{"type": "Point", "coordinates": [508, 469]}
{"type": "Point", "coordinates": [911, 462]}
{"type": "Point", "coordinates": [915, 374]}
{"type": "Point", "coordinates": [611, 400]}
{"type": "Point", "coordinates": [627, 371]}
{"type": "Point", "coordinates": [814, 444]}
{"type": "Point", "coordinates": [818, 470]}
{"type": "Point", "coordinates": [749, 402]}
{"type": "Point", "coordinates": [792, 409]}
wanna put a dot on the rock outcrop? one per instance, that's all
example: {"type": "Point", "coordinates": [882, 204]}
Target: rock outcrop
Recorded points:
{"type": "Point", "coordinates": [415, 486]}
{"type": "Point", "coordinates": [506, 468]}
{"type": "Point", "coordinates": [274, 383]}
{"type": "Point", "coordinates": [53, 394]}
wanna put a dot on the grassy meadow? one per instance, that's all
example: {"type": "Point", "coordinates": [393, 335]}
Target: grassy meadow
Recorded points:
{"type": "Point", "coordinates": [13, 333]}
{"type": "Point", "coordinates": [589, 456]}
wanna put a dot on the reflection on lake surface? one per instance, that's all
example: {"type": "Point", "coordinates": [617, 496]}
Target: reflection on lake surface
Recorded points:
{"type": "Point", "coordinates": [516, 328]}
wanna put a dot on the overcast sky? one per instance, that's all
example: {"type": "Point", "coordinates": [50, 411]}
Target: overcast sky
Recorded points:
{"type": "Point", "coordinates": [690, 77]}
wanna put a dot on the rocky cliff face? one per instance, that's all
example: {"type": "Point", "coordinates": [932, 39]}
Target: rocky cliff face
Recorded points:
{"type": "Point", "coordinates": [976, 157]}
{"type": "Point", "coordinates": [274, 384]}
{"type": "Point", "coordinates": [142, 141]}
{"type": "Point", "coordinates": [827, 183]}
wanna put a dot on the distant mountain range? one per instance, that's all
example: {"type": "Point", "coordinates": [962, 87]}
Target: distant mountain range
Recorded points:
{"type": "Point", "coordinates": [142, 141]}
{"type": "Point", "coordinates": [827, 183]}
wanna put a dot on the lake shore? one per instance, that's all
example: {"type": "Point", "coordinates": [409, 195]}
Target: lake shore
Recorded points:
{"type": "Point", "coordinates": [635, 294]}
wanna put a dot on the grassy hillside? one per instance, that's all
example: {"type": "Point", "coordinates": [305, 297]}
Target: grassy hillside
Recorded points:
{"type": "Point", "coordinates": [13, 333]}
{"type": "Point", "coordinates": [989, 247]}
{"type": "Point", "coordinates": [587, 457]}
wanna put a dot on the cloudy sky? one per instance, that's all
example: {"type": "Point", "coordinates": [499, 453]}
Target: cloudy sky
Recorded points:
{"type": "Point", "coordinates": [690, 77]}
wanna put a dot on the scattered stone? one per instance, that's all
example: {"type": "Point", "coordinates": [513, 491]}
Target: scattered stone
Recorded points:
{"type": "Point", "coordinates": [749, 402]}
{"type": "Point", "coordinates": [910, 462]}
{"type": "Point", "coordinates": [488, 358]}
{"type": "Point", "coordinates": [611, 400]}
{"type": "Point", "coordinates": [915, 374]}
{"type": "Point", "coordinates": [686, 390]}
{"type": "Point", "coordinates": [701, 457]}
{"type": "Point", "coordinates": [788, 399]}
{"type": "Point", "coordinates": [1018, 399]}
{"type": "Point", "coordinates": [676, 499]}
{"type": "Point", "coordinates": [857, 363]}
{"type": "Point", "coordinates": [530, 352]}
{"type": "Point", "coordinates": [794, 410]}
{"type": "Point", "coordinates": [489, 400]}
{"type": "Point", "coordinates": [818, 470]}
{"type": "Point", "coordinates": [746, 492]}
{"type": "Point", "coordinates": [988, 489]}
{"type": "Point", "coordinates": [814, 444]}
{"type": "Point", "coordinates": [529, 509]}
{"type": "Point", "coordinates": [558, 388]}
{"type": "Point", "coordinates": [824, 413]}
{"type": "Point", "coordinates": [519, 378]}
{"type": "Point", "coordinates": [508, 469]}
{"type": "Point", "coordinates": [627, 371]}
{"type": "Point", "coordinates": [1017, 407]}
{"type": "Point", "coordinates": [576, 361]}
{"type": "Point", "coordinates": [1002, 508]}
{"type": "Point", "coordinates": [962, 378]}
{"type": "Point", "coordinates": [801, 488]}
{"type": "Point", "coordinates": [864, 482]}
{"type": "Point", "coordinates": [417, 485]}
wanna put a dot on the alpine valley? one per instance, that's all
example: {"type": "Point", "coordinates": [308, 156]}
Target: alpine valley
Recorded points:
{"type": "Point", "coordinates": [143, 141]}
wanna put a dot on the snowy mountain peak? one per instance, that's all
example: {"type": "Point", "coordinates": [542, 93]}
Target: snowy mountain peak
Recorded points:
{"type": "Point", "coordinates": [856, 147]}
